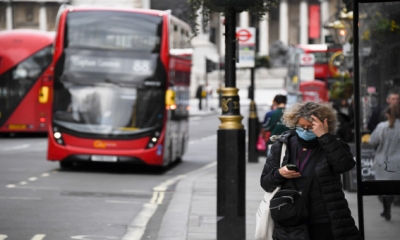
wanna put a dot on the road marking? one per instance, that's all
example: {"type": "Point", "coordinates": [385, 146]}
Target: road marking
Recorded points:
{"type": "Point", "coordinates": [21, 198]}
{"type": "Point", "coordinates": [37, 187]}
{"type": "Point", "coordinates": [2, 237]}
{"type": "Point", "coordinates": [195, 118]}
{"type": "Point", "coordinates": [87, 237]}
{"type": "Point", "coordinates": [16, 147]}
{"type": "Point", "coordinates": [158, 197]}
{"type": "Point", "coordinates": [123, 202]}
{"type": "Point", "coordinates": [38, 237]}
{"type": "Point", "coordinates": [203, 139]}
{"type": "Point", "coordinates": [30, 179]}
{"type": "Point", "coordinates": [138, 226]}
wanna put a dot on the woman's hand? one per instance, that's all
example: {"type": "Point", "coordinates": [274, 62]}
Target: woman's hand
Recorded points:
{"type": "Point", "coordinates": [319, 128]}
{"type": "Point", "coordinates": [286, 173]}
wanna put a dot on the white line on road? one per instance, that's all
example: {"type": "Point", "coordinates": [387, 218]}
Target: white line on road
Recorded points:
{"type": "Point", "coordinates": [20, 198]}
{"type": "Point", "coordinates": [195, 118]}
{"type": "Point", "coordinates": [10, 186]}
{"type": "Point", "coordinates": [123, 202]}
{"type": "Point", "coordinates": [32, 179]}
{"type": "Point", "coordinates": [2, 237]}
{"type": "Point", "coordinates": [138, 226]}
{"type": "Point", "coordinates": [203, 139]}
{"type": "Point", "coordinates": [45, 174]}
{"type": "Point", "coordinates": [23, 183]}
{"type": "Point", "coordinates": [38, 237]}
{"type": "Point", "coordinates": [16, 147]}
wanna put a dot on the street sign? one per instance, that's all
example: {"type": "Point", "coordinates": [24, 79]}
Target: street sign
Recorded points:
{"type": "Point", "coordinates": [247, 43]}
{"type": "Point", "coordinates": [246, 36]}
{"type": "Point", "coordinates": [306, 73]}
{"type": "Point", "coordinates": [307, 59]}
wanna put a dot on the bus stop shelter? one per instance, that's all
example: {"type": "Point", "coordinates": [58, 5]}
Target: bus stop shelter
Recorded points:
{"type": "Point", "coordinates": [376, 51]}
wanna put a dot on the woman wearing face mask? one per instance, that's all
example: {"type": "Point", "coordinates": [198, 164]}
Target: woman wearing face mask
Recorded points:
{"type": "Point", "coordinates": [312, 140]}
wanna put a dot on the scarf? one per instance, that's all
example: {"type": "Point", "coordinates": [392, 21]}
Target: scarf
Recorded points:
{"type": "Point", "coordinates": [308, 144]}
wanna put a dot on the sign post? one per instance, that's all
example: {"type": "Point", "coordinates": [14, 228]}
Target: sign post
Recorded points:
{"type": "Point", "coordinates": [307, 62]}
{"type": "Point", "coordinates": [247, 43]}
{"type": "Point", "coordinates": [246, 38]}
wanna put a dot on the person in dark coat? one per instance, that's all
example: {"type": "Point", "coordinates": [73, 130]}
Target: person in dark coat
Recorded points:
{"type": "Point", "coordinates": [312, 138]}
{"type": "Point", "coordinates": [199, 95]}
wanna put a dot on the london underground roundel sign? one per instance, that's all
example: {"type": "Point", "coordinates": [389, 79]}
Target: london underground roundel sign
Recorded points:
{"type": "Point", "coordinates": [246, 36]}
{"type": "Point", "coordinates": [307, 59]}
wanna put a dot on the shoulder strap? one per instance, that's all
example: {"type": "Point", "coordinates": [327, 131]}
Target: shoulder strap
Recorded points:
{"type": "Point", "coordinates": [282, 153]}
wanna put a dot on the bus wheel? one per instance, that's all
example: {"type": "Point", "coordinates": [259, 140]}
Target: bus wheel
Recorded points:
{"type": "Point", "coordinates": [65, 164]}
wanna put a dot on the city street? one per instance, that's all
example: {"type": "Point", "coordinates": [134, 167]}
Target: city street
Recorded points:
{"type": "Point", "coordinates": [39, 201]}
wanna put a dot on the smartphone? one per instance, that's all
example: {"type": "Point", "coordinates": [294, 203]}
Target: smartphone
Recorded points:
{"type": "Point", "coordinates": [292, 167]}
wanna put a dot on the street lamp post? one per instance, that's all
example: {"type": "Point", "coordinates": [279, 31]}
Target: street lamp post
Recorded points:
{"type": "Point", "coordinates": [231, 168]}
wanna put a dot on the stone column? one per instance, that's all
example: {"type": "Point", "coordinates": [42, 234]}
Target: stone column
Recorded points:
{"type": "Point", "coordinates": [146, 4]}
{"type": "Point", "coordinates": [244, 19]}
{"type": "Point", "coordinates": [324, 18]}
{"type": "Point", "coordinates": [222, 35]}
{"type": "Point", "coordinates": [264, 36]}
{"type": "Point", "coordinates": [42, 17]}
{"type": "Point", "coordinates": [9, 17]}
{"type": "Point", "coordinates": [283, 22]}
{"type": "Point", "coordinates": [303, 22]}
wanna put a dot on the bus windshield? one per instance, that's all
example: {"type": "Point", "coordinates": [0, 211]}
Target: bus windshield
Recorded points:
{"type": "Point", "coordinates": [110, 79]}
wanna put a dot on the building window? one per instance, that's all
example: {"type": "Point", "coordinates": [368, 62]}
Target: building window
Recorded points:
{"type": "Point", "coordinates": [51, 14]}
{"type": "Point", "coordinates": [3, 14]}
{"type": "Point", "coordinates": [26, 15]}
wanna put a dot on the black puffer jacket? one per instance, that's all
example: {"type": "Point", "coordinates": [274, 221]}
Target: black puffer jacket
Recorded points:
{"type": "Point", "coordinates": [336, 160]}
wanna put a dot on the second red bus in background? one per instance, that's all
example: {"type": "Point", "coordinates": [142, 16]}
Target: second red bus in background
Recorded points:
{"type": "Point", "coordinates": [25, 80]}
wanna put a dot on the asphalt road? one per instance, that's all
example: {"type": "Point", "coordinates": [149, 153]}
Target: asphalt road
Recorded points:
{"type": "Point", "coordinates": [39, 201]}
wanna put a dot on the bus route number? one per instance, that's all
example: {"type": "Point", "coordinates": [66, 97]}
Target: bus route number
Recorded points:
{"type": "Point", "coordinates": [141, 67]}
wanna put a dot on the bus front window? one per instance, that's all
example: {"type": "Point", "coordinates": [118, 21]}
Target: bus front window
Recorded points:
{"type": "Point", "coordinates": [110, 79]}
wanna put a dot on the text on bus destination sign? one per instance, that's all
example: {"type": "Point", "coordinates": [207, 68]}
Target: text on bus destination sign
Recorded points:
{"type": "Point", "coordinates": [137, 66]}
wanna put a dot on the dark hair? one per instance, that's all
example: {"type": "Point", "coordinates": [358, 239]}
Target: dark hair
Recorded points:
{"type": "Point", "coordinates": [392, 92]}
{"type": "Point", "coordinates": [394, 113]}
{"type": "Point", "coordinates": [279, 99]}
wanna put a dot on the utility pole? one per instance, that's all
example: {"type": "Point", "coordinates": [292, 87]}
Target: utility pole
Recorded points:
{"type": "Point", "coordinates": [231, 159]}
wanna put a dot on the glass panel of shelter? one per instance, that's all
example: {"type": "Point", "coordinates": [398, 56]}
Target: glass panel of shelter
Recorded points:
{"type": "Point", "coordinates": [378, 76]}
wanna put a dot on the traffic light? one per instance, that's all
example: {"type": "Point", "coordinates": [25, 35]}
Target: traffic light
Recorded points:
{"type": "Point", "coordinates": [210, 65]}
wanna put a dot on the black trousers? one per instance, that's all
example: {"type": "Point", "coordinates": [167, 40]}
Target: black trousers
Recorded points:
{"type": "Point", "coordinates": [200, 105]}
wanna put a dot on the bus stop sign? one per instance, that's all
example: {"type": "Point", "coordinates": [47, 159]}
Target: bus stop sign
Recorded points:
{"type": "Point", "coordinates": [307, 59]}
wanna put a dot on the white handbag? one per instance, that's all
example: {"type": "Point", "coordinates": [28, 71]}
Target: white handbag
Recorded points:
{"type": "Point", "coordinates": [264, 222]}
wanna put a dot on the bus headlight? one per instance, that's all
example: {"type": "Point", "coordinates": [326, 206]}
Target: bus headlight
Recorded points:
{"type": "Point", "coordinates": [153, 139]}
{"type": "Point", "coordinates": [58, 137]}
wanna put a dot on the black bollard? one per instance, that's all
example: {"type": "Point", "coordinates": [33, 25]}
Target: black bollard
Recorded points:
{"type": "Point", "coordinates": [252, 152]}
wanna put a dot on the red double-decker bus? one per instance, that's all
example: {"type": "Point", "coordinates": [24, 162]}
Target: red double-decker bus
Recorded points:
{"type": "Point", "coordinates": [25, 80]}
{"type": "Point", "coordinates": [322, 54]}
{"type": "Point", "coordinates": [121, 88]}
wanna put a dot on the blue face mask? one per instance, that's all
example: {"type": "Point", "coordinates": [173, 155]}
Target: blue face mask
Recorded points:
{"type": "Point", "coordinates": [306, 135]}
